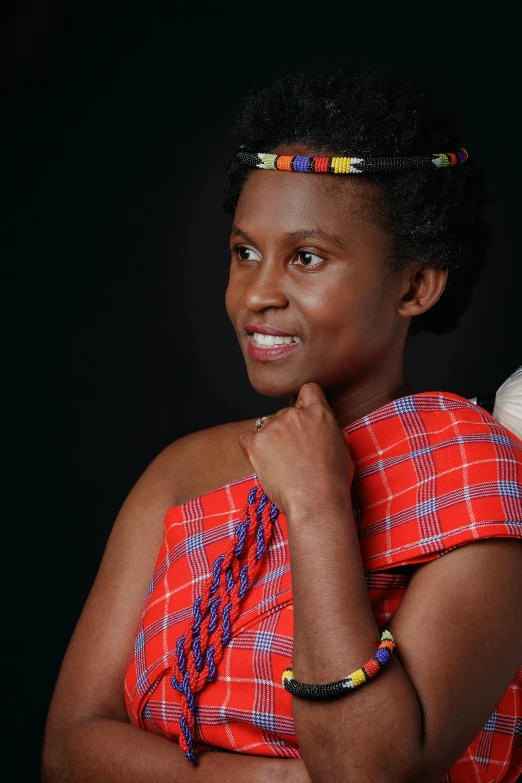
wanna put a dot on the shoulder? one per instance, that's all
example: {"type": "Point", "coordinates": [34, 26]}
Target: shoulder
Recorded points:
{"type": "Point", "coordinates": [448, 417]}
{"type": "Point", "coordinates": [90, 682]}
{"type": "Point", "coordinates": [205, 460]}
{"type": "Point", "coordinates": [445, 473]}
{"type": "Point", "coordinates": [476, 463]}
{"type": "Point", "coordinates": [485, 441]}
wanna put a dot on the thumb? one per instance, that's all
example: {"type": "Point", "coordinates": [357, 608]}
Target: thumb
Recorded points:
{"type": "Point", "coordinates": [308, 394]}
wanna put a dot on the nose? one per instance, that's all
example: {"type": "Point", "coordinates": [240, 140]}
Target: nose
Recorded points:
{"type": "Point", "coordinates": [265, 287]}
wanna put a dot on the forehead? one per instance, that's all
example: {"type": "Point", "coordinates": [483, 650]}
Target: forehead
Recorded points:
{"type": "Point", "coordinates": [285, 201]}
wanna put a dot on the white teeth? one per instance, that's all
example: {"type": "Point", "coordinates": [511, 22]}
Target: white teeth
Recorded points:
{"type": "Point", "coordinates": [268, 340]}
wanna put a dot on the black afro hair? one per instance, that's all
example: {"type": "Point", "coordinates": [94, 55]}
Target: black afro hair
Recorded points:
{"type": "Point", "coordinates": [435, 217]}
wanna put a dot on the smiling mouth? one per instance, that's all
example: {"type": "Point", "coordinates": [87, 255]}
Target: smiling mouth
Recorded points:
{"type": "Point", "coordinates": [263, 352]}
{"type": "Point", "coordinates": [271, 341]}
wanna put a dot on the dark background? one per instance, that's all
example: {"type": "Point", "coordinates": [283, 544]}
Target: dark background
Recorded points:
{"type": "Point", "coordinates": [115, 123]}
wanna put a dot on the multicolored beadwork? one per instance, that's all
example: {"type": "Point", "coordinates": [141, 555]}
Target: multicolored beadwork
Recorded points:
{"type": "Point", "coordinates": [345, 165]}
{"type": "Point", "coordinates": [332, 690]}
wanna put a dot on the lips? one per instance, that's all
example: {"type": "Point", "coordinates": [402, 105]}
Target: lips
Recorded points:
{"type": "Point", "coordinates": [267, 353]}
{"type": "Point", "coordinates": [265, 329]}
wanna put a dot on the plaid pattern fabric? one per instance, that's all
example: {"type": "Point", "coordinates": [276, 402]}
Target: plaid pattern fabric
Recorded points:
{"type": "Point", "coordinates": [432, 472]}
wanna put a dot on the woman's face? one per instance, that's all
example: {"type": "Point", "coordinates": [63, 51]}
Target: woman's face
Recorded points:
{"type": "Point", "coordinates": [307, 255]}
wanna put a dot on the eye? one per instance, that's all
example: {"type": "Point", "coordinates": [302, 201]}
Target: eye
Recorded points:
{"type": "Point", "coordinates": [245, 253]}
{"type": "Point", "coordinates": [308, 258]}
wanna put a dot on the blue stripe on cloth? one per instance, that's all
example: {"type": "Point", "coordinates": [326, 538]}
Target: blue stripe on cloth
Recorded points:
{"type": "Point", "coordinates": [194, 542]}
{"type": "Point", "coordinates": [428, 506]}
{"type": "Point", "coordinates": [502, 440]}
{"type": "Point", "coordinates": [139, 644]}
{"type": "Point", "coordinates": [264, 720]}
{"type": "Point", "coordinates": [405, 405]}
{"type": "Point", "coordinates": [491, 723]}
{"type": "Point", "coordinates": [381, 464]}
{"type": "Point", "coordinates": [150, 587]}
{"type": "Point", "coordinates": [264, 641]}
{"type": "Point", "coordinates": [510, 489]}
{"type": "Point", "coordinates": [143, 683]}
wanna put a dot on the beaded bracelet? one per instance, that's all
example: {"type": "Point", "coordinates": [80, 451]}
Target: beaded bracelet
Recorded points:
{"type": "Point", "coordinates": [332, 690]}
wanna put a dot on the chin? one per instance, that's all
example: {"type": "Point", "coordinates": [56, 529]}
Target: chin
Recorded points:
{"type": "Point", "coordinates": [274, 387]}
{"type": "Point", "coordinates": [269, 390]}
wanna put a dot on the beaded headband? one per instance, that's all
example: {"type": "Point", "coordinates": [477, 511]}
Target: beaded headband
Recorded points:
{"type": "Point", "coordinates": [344, 165]}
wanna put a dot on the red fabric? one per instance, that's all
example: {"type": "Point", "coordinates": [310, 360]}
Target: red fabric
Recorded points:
{"type": "Point", "coordinates": [432, 472]}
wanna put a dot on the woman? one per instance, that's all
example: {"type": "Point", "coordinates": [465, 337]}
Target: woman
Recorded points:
{"type": "Point", "coordinates": [220, 640]}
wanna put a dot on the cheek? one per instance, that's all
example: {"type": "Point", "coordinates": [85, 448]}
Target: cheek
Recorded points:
{"type": "Point", "coordinates": [231, 300]}
{"type": "Point", "coordinates": [354, 326]}
{"type": "Point", "coordinates": [343, 309]}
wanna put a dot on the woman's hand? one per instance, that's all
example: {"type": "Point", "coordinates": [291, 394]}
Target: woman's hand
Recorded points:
{"type": "Point", "coordinates": [300, 455]}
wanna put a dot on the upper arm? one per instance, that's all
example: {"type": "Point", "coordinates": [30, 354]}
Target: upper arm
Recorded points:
{"type": "Point", "coordinates": [459, 637]}
{"type": "Point", "coordinates": [90, 682]}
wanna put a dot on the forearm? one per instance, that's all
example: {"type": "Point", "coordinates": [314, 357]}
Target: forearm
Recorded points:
{"type": "Point", "coordinates": [373, 733]}
{"type": "Point", "coordinates": [109, 751]}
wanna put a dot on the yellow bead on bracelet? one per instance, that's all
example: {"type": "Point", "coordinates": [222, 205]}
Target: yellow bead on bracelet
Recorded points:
{"type": "Point", "coordinates": [358, 677]}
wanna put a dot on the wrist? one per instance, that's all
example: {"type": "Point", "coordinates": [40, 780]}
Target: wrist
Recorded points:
{"type": "Point", "coordinates": [336, 501]}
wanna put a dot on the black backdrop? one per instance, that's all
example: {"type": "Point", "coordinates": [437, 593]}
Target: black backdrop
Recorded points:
{"type": "Point", "coordinates": [117, 342]}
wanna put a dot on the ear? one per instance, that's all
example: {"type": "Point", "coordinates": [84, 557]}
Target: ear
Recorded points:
{"type": "Point", "coordinates": [421, 287]}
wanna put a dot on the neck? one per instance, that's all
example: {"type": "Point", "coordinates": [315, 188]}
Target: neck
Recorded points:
{"type": "Point", "coordinates": [352, 402]}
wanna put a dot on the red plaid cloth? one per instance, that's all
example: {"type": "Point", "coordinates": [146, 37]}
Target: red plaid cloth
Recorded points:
{"type": "Point", "coordinates": [432, 472]}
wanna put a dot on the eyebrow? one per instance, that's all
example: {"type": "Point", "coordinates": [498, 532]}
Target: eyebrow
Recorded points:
{"type": "Point", "coordinates": [305, 233]}
{"type": "Point", "coordinates": [238, 232]}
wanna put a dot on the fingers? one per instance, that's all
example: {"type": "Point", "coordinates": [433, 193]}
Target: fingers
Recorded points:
{"type": "Point", "coordinates": [310, 393]}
